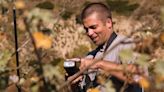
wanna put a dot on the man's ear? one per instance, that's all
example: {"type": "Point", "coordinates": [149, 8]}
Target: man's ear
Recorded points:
{"type": "Point", "coordinates": [109, 23]}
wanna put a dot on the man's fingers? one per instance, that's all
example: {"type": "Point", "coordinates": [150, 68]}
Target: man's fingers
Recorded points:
{"type": "Point", "coordinates": [81, 66]}
{"type": "Point", "coordinates": [77, 80]}
{"type": "Point", "coordinates": [74, 59]}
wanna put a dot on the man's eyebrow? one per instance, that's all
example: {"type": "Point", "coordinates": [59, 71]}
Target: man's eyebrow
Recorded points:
{"type": "Point", "coordinates": [92, 26]}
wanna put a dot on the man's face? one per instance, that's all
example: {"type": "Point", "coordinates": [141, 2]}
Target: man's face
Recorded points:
{"type": "Point", "coordinates": [98, 30]}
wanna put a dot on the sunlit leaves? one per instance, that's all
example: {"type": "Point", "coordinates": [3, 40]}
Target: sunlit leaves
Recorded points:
{"type": "Point", "coordinates": [42, 41]}
{"type": "Point", "coordinates": [50, 71]}
{"type": "Point", "coordinates": [126, 55]}
{"type": "Point", "coordinates": [142, 60]}
{"type": "Point", "coordinates": [45, 5]}
{"type": "Point", "coordinates": [35, 88]}
{"type": "Point", "coordinates": [68, 37]}
{"type": "Point", "coordinates": [34, 79]}
{"type": "Point", "coordinates": [109, 87]}
{"type": "Point", "coordinates": [159, 71]}
{"type": "Point", "coordinates": [93, 90]}
{"type": "Point", "coordinates": [20, 4]}
{"type": "Point", "coordinates": [159, 67]}
{"type": "Point", "coordinates": [162, 13]}
{"type": "Point", "coordinates": [162, 37]}
{"type": "Point", "coordinates": [4, 57]}
{"type": "Point", "coordinates": [0, 17]}
{"type": "Point", "coordinates": [101, 79]}
{"type": "Point", "coordinates": [39, 14]}
{"type": "Point", "coordinates": [159, 81]}
{"type": "Point", "coordinates": [21, 25]}
{"type": "Point", "coordinates": [144, 83]}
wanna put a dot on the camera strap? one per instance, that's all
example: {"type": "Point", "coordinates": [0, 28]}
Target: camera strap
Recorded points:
{"type": "Point", "coordinates": [111, 39]}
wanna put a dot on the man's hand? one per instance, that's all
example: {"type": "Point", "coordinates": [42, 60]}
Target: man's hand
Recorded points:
{"type": "Point", "coordinates": [86, 62]}
{"type": "Point", "coordinates": [78, 79]}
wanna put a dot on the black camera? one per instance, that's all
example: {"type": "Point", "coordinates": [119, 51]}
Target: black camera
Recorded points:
{"type": "Point", "coordinates": [71, 67]}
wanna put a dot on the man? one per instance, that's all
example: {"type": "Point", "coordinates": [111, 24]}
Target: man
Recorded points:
{"type": "Point", "coordinates": [97, 21]}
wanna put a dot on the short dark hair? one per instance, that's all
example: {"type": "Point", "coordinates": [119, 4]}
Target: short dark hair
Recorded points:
{"type": "Point", "coordinates": [101, 9]}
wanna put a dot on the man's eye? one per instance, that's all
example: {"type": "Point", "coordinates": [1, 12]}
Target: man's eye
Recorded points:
{"type": "Point", "coordinates": [86, 29]}
{"type": "Point", "coordinates": [92, 27]}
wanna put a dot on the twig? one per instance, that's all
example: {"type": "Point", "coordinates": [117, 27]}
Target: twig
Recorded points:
{"type": "Point", "coordinates": [16, 45]}
{"type": "Point", "coordinates": [13, 69]}
{"type": "Point", "coordinates": [124, 86]}
{"type": "Point", "coordinates": [19, 49]}
{"type": "Point", "coordinates": [38, 57]}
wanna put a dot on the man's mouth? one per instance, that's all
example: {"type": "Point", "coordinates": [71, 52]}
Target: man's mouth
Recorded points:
{"type": "Point", "coordinates": [94, 39]}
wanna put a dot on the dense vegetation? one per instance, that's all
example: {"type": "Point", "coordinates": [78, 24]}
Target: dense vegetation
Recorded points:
{"type": "Point", "coordinates": [49, 31]}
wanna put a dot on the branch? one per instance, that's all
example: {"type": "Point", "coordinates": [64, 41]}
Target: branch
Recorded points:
{"type": "Point", "coordinates": [38, 56]}
{"type": "Point", "coordinates": [19, 49]}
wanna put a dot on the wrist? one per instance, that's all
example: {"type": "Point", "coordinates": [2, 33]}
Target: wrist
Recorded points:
{"type": "Point", "coordinates": [100, 64]}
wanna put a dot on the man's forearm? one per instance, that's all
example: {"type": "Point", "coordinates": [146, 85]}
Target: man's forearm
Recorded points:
{"type": "Point", "coordinates": [118, 70]}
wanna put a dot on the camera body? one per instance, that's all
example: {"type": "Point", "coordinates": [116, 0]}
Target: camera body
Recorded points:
{"type": "Point", "coordinates": [71, 67]}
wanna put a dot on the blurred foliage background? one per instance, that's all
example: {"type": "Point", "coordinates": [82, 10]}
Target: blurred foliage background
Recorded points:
{"type": "Point", "coordinates": [58, 34]}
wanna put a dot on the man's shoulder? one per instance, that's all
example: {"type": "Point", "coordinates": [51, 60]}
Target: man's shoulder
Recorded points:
{"type": "Point", "coordinates": [123, 40]}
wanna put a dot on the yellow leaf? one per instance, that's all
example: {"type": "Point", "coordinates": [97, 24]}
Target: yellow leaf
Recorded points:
{"type": "Point", "coordinates": [20, 4]}
{"type": "Point", "coordinates": [162, 37]}
{"type": "Point", "coordinates": [34, 79]}
{"type": "Point", "coordinates": [42, 41]}
{"type": "Point", "coordinates": [159, 79]}
{"type": "Point", "coordinates": [101, 79]}
{"type": "Point", "coordinates": [144, 83]}
{"type": "Point", "coordinates": [93, 90]}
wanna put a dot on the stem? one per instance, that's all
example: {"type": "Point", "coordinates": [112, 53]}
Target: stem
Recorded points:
{"type": "Point", "coordinates": [16, 46]}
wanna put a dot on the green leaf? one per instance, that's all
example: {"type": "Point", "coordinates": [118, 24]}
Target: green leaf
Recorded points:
{"type": "Point", "coordinates": [159, 67]}
{"type": "Point", "coordinates": [45, 5]}
{"type": "Point", "coordinates": [35, 88]}
{"type": "Point", "coordinates": [162, 13]}
{"type": "Point", "coordinates": [109, 87]}
{"type": "Point", "coordinates": [126, 55]}
{"type": "Point", "coordinates": [142, 60]}
{"type": "Point", "coordinates": [4, 57]}
{"type": "Point", "coordinates": [50, 71]}
{"type": "Point", "coordinates": [39, 14]}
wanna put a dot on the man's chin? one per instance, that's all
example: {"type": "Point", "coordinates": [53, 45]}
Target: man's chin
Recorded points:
{"type": "Point", "coordinates": [97, 43]}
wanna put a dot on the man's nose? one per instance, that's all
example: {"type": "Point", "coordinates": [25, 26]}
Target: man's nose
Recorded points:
{"type": "Point", "coordinates": [90, 32]}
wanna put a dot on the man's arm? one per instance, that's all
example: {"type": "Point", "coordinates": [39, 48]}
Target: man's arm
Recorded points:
{"type": "Point", "coordinates": [117, 70]}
